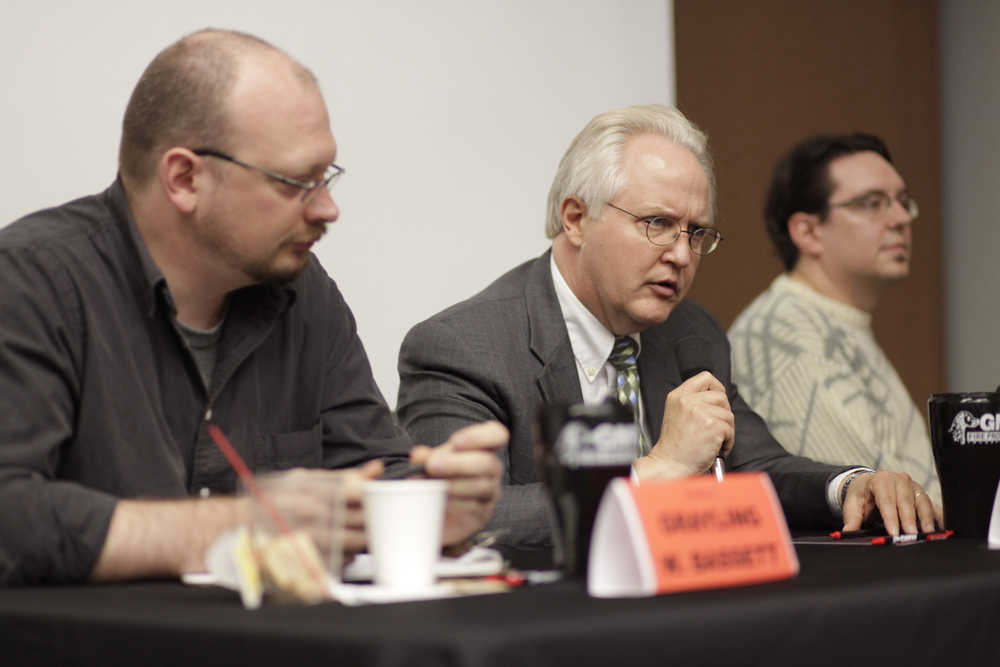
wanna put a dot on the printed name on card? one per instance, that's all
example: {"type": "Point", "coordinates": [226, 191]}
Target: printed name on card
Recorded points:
{"type": "Point", "coordinates": [690, 534]}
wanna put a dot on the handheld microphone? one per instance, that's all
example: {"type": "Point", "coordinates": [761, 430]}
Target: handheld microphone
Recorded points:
{"type": "Point", "coordinates": [691, 360]}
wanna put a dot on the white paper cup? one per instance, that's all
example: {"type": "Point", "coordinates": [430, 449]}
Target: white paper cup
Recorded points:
{"type": "Point", "coordinates": [404, 519]}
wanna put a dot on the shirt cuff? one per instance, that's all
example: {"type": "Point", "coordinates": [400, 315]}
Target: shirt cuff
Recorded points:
{"type": "Point", "coordinates": [831, 489]}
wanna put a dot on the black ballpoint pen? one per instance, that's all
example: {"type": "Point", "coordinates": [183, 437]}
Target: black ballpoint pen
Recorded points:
{"type": "Point", "coordinates": [910, 538]}
{"type": "Point", "coordinates": [875, 531]}
{"type": "Point", "coordinates": [403, 472]}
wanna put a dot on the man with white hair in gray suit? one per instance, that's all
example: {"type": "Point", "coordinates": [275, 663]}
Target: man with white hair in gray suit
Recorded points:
{"type": "Point", "coordinates": [631, 214]}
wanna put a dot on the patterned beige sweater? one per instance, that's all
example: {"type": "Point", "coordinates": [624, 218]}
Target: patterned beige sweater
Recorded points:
{"type": "Point", "coordinates": [811, 368]}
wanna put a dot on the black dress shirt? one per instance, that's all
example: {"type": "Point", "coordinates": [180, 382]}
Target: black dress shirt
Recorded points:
{"type": "Point", "coordinates": [100, 398]}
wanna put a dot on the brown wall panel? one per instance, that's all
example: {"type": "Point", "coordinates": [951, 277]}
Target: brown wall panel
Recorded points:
{"type": "Point", "coordinates": [758, 77]}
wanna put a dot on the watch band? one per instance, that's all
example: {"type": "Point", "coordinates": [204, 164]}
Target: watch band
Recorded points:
{"type": "Point", "coordinates": [850, 478]}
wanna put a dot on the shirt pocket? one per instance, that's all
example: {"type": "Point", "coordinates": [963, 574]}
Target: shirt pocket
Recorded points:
{"type": "Point", "coordinates": [292, 449]}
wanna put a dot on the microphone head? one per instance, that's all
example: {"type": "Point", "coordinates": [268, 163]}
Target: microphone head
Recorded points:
{"type": "Point", "coordinates": [692, 356]}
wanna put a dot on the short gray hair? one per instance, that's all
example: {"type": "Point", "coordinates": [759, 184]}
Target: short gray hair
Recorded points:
{"type": "Point", "coordinates": [591, 168]}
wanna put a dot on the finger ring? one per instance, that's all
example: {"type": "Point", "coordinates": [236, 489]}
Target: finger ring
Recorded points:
{"type": "Point", "coordinates": [918, 494]}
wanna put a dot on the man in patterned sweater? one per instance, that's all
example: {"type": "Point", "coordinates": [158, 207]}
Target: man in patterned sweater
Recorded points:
{"type": "Point", "coordinates": [804, 355]}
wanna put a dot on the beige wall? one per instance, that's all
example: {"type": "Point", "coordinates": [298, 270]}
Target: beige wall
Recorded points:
{"type": "Point", "coordinates": [450, 118]}
{"type": "Point", "coordinates": [758, 77]}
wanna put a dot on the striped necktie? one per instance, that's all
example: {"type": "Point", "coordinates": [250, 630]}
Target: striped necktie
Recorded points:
{"type": "Point", "coordinates": [623, 358]}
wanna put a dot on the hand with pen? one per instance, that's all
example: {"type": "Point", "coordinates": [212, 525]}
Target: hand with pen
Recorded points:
{"type": "Point", "coordinates": [327, 504]}
{"type": "Point", "coordinates": [698, 426]}
{"type": "Point", "coordinates": [468, 461]}
{"type": "Point", "coordinates": [903, 504]}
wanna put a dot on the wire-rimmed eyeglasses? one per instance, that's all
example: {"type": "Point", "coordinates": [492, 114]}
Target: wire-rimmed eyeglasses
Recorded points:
{"type": "Point", "coordinates": [662, 231]}
{"type": "Point", "coordinates": [877, 204]}
{"type": "Point", "coordinates": [330, 175]}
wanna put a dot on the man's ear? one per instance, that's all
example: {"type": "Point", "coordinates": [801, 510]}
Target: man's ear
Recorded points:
{"type": "Point", "coordinates": [572, 212]}
{"type": "Point", "coordinates": [179, 171]}
{"type": "Point", "coordinates": [806, 232]}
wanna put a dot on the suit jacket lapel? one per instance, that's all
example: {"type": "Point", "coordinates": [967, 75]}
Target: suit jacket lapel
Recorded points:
{"type": "Point", "coordinates": [549, 342]}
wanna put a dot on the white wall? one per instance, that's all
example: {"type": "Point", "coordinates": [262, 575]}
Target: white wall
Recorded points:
{"type": "Point", "coordinates": [970, 106]}
{"type": "Point", "coordinates": [450, 117]}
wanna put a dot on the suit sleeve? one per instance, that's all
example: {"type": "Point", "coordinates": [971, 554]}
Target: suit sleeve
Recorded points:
{"type": "Point", "coordinates": [446, 385]}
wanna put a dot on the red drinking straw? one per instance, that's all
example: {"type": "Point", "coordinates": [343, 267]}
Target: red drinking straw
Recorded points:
{"type": "Point", "coordinates": [248, 479]}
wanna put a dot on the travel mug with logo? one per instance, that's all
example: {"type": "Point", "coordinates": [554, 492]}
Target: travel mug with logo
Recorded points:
{"type": "Point", "coordinates": [579, 449]}
{"type": "Point", "coordinates": [965, 437]}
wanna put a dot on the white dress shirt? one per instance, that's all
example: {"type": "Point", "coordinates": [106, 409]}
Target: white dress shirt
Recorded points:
{"type": "Point", "coordinates": [592, 344]}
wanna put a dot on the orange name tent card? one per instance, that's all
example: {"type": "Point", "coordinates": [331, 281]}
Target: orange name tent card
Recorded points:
{"type": "Point", "coordinates": [696, 533]}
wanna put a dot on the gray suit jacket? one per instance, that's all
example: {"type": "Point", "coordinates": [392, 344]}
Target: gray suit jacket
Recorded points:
{"type": "Point", "coordinates": [504, 353]}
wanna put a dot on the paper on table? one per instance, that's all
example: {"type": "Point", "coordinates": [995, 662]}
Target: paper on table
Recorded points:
{"type": "Point", "coordinates": [358, 594]}
{"type": "Point", "coordinates": [477, 562]}
{"type": "Point", "coordinates": [223, 570]}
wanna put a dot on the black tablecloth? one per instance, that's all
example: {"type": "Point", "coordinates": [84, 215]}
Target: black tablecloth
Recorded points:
{"type": "Point", "coordinates": [926, 604]}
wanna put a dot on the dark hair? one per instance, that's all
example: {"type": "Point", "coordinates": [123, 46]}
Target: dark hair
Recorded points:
{"type": "Point", "coordinates": [801, 182]}
{"type": "Point", "coordinates": [180, 98]}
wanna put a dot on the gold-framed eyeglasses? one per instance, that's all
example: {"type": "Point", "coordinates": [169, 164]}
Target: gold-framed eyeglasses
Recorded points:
{"type": "Point", "coordinates": [662, 231]}
{"type": "Point", "coordinates": [876, 204]}
{"type": "Point", "coordinates": [330, 175]}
